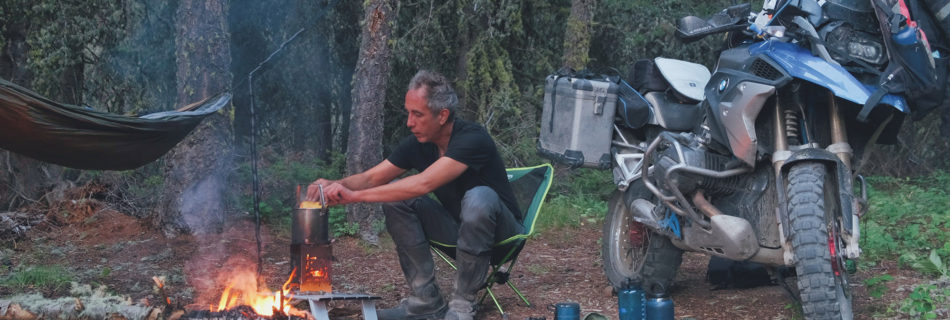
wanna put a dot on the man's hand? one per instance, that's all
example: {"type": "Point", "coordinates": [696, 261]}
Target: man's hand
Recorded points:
{"type": "Point", "coordinates": [338, 194]}
{"type": "Point", "coordinates": [352, 189]}
{"type": "Point", "coordinates": [313, 190]}
{"type": "Point", "coordinates": [333, 192]}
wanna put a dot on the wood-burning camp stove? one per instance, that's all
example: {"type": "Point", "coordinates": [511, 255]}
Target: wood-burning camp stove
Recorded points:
{"type": "Point", "coordinates": [310, 251]}
{"type": "Point", "coordinates": [311, 257]}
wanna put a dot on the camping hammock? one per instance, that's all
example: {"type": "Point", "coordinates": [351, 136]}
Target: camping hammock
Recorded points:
{"type": "Point", "coordinates": [82, 138]}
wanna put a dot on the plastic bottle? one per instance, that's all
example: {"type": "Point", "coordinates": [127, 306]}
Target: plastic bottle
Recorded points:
{"type": "Point", "coordinates": [631, 302]}
{"type": "Point", "coordinates": [906, 36]}
{"type": "Point", "coordinates": [659, 307]}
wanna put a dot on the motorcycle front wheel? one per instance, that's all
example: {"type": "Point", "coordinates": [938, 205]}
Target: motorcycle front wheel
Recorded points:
{"type": "Point", "coordinates": [822, 278]}
{"type": "Point", "coordinates": [635, 255]}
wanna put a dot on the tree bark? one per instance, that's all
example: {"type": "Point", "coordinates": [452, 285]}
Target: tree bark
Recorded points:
{"type": "Point", "coordinates": [464, 40]}
{"type": "Point", "coordinates": [196, 170]}
{"type": "Point", "coordinates": [578, 34]}
{"type": "Point", "coordinates": [22, 179]}
{"type": "Point", "coordinates": [365, 146]}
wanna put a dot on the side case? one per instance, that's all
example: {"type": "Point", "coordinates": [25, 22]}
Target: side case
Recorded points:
{"type": "Point", "coordinates": [577, 121]}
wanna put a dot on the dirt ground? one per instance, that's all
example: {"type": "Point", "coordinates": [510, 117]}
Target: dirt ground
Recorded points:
{"type": "Point", "coordinates": [112, 249]}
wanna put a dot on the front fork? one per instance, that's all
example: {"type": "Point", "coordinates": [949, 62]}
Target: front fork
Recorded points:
{"type": "Point", "coordinates": [839, 147]}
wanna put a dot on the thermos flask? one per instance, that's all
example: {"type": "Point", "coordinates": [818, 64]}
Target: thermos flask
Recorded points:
{"type": "Point", "coordinates": [567, 311]}
{"type": "Point", "coordinates": [659, 307]}
{"type": "Point", "coordinates": [630, 303]}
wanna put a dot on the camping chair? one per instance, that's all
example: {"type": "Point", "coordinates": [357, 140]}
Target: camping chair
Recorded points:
{"type": "Point", "coordinates": [530, 186]}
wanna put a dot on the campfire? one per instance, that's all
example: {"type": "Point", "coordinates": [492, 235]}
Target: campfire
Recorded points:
{"type": "Point", "coordinates": [310, 253]}
{"type": "Point", "coordinates": [243, 290]}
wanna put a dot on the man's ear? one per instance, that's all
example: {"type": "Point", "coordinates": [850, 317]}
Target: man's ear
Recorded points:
{"type": "Point", "coordinates": [443, 116]}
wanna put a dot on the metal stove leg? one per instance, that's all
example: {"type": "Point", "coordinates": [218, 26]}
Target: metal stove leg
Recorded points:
{"type": "Point", "coordinates": [369, 310]}
{"type": "Point", "coordinates": [319, 310]}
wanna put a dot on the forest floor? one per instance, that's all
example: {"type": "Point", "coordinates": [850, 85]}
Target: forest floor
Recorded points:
{"type": "Point", "coordinates": [111, 249]}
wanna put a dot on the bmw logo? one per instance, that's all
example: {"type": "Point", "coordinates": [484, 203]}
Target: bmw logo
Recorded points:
{"type": "Point", "coordinates": [723, 84]}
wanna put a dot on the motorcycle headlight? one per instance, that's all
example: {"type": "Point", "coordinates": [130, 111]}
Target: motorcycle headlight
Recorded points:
{"type": "Point", "coordinates": [870, 51]}
{"type": "Point", "coordinates": [847, 44]}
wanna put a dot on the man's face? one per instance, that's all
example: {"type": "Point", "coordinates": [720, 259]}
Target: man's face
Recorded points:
{"type": "Point", "coordinates": [423, 123]}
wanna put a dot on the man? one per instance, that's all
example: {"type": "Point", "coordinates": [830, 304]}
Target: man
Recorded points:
{"type": "Point", "coordinates": [456, 160]}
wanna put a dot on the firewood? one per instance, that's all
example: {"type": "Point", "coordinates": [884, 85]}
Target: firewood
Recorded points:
{"type": "Point", "coordinates": [177, 314]}
{"type": "Point", "coordinates": [13, 311]}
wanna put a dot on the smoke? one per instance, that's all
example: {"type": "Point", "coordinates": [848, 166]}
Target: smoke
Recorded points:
{"type": "Point", "coordinates": [202, 204]}
{"type": "Point", "coordinates": [218, 256]}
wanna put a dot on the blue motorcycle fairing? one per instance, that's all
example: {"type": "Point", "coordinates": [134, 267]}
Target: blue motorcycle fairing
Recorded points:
{"type": "Point", "coordinates": [801, 63]}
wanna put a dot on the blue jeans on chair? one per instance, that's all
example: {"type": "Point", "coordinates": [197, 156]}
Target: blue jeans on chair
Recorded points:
{"type": "Point", "coordinates": [484, 221]}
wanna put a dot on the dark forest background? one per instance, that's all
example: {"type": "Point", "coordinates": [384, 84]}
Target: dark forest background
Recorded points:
{"type": "Point", "coordinates": [140, 56]}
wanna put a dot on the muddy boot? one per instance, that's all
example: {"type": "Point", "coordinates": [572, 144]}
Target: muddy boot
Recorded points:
{"type": "Point", "coordinates": [424, 301]}
{"type": "Point", "coordinates": [471, 276]}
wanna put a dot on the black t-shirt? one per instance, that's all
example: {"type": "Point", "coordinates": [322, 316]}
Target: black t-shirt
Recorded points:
{"type": "Point", "coordinates": [469, 144]}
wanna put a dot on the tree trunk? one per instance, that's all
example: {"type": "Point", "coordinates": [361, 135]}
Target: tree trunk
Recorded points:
{"type": "Point", "coordinates": [365, 147]}
{"type": "Point", "coordinates": [195, 171]}
{"type": "Point", "coordinates": [23, 180]}
{"type": "Point", "coordinates": [464, 39]}
{"type": "Point", "coordinates": [578, 34]}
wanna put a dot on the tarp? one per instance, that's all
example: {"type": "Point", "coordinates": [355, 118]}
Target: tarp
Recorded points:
{"type": "Point", "coordinates": [82, 138]}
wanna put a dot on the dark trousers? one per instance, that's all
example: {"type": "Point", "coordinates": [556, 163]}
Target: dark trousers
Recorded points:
{"type": "Point", "coordinates": [484, 221]}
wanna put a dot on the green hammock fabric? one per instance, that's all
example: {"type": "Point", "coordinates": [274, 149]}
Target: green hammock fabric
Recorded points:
{"type": "Point", "coordinates": [82, 138]}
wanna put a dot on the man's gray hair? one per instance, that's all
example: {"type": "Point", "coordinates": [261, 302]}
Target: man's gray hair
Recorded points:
{"type": "Point", "coordinates": [439, 93]}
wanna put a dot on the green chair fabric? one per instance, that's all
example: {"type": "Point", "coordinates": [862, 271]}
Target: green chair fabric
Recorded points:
{"type": "Point", "coordinates": [530, 186]}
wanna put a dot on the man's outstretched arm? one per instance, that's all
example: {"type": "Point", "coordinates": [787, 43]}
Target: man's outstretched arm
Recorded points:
{"type": "Point", "coordinates": [382, 173]}
{"type": "Point", "coordinates": [439, 173]}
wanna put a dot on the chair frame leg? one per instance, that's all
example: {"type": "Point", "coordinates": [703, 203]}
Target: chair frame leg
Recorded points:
{"type": "Point", "coordinates": [491, 280]}
{"type": "Point", "coordinates": [444, 258]}
{"type": "Point", "coordinates": [518, 292]}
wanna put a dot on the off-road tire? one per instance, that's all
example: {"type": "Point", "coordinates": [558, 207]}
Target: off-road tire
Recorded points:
{"type": "Point", "coordinates": [653, 264]}
{"type": "Point", "coordinates": [822, 294]}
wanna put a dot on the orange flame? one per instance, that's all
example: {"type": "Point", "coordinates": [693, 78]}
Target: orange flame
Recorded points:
{"type": "Point", "coordinates": [242, 289]}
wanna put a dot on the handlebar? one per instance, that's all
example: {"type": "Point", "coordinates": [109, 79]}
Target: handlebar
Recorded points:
{"type": "Point", "coordinates": [692, 28]}
{"type": "Point", "coordinates": [761, 24]}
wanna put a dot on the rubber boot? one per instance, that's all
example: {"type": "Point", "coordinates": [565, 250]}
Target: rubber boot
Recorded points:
{"type": "Point", "coordinates": [470, 278]}
{"type": "Point", "coordinates": [424, 301]}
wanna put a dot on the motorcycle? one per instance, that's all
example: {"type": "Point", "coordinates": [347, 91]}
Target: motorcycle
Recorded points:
{"type": "Point", "coordinates": [754, 161]}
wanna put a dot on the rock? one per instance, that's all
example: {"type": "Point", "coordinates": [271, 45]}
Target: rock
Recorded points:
{"type": "Point", "coordinates": [608, 291]}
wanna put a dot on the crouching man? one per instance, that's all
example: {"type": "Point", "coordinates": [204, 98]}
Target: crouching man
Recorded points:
{"type": "Point", "coordinates": [457, 161]}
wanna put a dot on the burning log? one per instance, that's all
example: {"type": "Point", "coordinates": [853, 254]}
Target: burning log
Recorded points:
{"type": "Point", "coordinates": [161, 289]}
{"type": "Point", "coordinates": [245, 297]}
{"type": "Point", "coordinates": [238, 313]}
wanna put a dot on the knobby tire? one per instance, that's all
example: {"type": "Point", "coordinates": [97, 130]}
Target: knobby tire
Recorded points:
{"type": "Point", "coordinates": [823, 296]}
